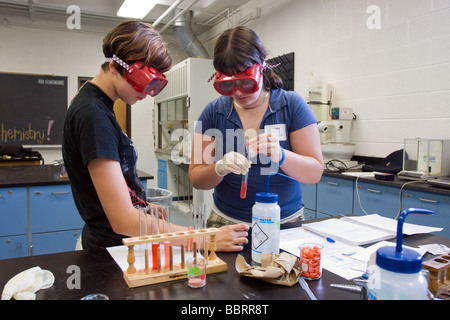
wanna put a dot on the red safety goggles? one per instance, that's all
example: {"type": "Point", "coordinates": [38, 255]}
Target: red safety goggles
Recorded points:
{"type": "Point", "coordinates": [143, 78]}
{"type": "Point", "coordinates": [247, 81]}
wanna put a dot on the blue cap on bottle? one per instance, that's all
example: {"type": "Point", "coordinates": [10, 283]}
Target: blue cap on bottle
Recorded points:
{"type": "Point", "coordinates": [266, 197]}
{"type": "Point", "coordinates": [399, 259]}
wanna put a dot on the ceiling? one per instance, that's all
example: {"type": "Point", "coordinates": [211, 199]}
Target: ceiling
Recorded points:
{"type": "Point", "coordinates": [206, 13]}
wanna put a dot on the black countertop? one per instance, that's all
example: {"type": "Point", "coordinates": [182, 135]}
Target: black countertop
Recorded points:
{"type": "Point", "coordinates": [417, 185]}
{"type": "Point", "coordinates": [22, 176]}
{"type": "Point", "coordinates": [99, 273]}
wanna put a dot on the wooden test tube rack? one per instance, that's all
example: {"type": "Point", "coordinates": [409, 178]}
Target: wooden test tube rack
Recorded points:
{"type": "Point", "coordinates": [146, 276]}
{"type": "Point", "coordinates": [439, 268]}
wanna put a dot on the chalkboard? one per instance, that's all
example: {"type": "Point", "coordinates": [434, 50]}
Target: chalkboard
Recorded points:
{"type": "Point", "coordinates": [32, 108]}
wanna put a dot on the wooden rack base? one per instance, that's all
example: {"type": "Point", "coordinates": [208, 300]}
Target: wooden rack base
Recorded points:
{"type": "Point", "coordinates": [439, 269]}
{"type": "Point", "coordinates": [140, 278]}
{"type": "Point", "coordinates": [147, 276]}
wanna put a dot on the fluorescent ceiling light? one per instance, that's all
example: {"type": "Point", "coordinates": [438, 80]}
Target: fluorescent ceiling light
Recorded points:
{"type": "Point", "coordinates": [136, 8]}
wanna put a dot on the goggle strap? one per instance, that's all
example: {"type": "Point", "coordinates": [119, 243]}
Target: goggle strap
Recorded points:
{"type": "Point", "coordinates": [269, 66]}
{"type": "Point", "coordinates": [119, 61]}
{"type": "Point", "coordinates": [212, 77]}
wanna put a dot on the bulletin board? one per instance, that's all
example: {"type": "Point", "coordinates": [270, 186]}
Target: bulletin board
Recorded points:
{"type": "Point", "coordinates": [32, 108]}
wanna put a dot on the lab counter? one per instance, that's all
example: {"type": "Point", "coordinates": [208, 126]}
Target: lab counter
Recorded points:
{"type": "Point", "coordinates": [23, 176]}
{"type": "Point", "coordinates": [418, 185]}
{"type": "Point", "coordinates": [99, 273]}
{"type": "Point", "coordinates": [360, 193]}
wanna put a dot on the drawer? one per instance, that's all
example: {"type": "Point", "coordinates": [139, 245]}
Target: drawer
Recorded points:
{"type": "Point", "coordinates": [162, 179]}
{"type": "Point", "coordinates": [54, 242]}
{"type": "Point", "coordinates": [430, 201]}
{"type": "Point", "coordinates": [376, 198]}
{"type": "Point", "coordinates": [162, 165]}
{"type": "Point", "coordinates": [53, 209]}
{"type": "Point", "coordinates": [13, 247]}
{"type": "Point", "coordinates": [13, 211]}
{"type": "Point", "coordinates": [334, 196]}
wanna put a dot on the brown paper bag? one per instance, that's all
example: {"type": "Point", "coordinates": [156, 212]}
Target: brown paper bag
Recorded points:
{"type": "Point", "coordinates": [283, 269]}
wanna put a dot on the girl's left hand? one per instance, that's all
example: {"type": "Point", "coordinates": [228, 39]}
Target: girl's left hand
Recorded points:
{"type": "Point", "coordinates": [268, 144]}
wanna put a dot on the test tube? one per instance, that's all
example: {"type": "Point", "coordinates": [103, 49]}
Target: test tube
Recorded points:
{"type": "Point", "coordinates": [244, 185]}
{"type": "Point", "coordinates": [143, 232]}
{"type": "Point", "coordinates": [146, 245]}
{"type": "Point", "coordinates": [244, 182]}
{"type": "Point", "coordinates": [166, 216]}
{"type": "Point", "coordinates": [154, 213]}
{"type": "Point", "coordinates": [198, 219]}
{"type": "Point", "coordinates": [203, 226]}
{"type": "Point", "coordinates": [190, 227]}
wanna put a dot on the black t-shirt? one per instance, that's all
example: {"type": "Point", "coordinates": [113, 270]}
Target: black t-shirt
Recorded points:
{"type": "Point", "coordinates": [91, 131]}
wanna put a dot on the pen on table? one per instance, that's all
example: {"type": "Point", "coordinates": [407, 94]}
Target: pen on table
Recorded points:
{"type": "Point", "coordinates": [325, 237]}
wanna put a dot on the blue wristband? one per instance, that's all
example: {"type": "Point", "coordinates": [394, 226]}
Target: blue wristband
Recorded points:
{"type": "Point", "coordinates": [282, 158]}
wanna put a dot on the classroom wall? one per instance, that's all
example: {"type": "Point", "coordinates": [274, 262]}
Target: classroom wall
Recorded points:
{"type": "Point", "coordinates": [396, 79]}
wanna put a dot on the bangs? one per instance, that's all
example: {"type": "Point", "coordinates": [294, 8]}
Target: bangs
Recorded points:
{"type": "Point", "coordinates": [234, 52]}
{"type": "Point", "coordinates": [230, 63]}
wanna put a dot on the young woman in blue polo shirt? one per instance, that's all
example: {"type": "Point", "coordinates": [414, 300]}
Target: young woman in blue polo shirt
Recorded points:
{"type": "Point", "coordinates": [254, 128]}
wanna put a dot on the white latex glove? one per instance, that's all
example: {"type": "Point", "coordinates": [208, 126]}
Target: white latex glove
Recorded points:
{"type": "Point", "coordinates": [232, 162]}
{"type": "Point", "coordinates": [24, 285]}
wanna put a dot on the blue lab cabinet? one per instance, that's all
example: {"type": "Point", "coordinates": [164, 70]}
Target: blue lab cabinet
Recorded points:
{"type": "Point", "coordinates": [334, 196]}
{"type": "Point", "coordinates": [376, 198]}
{"type": "Point", "coordinates": [13, 225]}
{"type": "Point", "coordinates": [37, 212]}
{"type": "Point", "coordinates": [55, 221]}
{"type": "Point", "coordinates": [438, 203]}
{"type": "Point", "coordinates": [162, 174]}
{"type": "Point", "coordinates": [53, 209]}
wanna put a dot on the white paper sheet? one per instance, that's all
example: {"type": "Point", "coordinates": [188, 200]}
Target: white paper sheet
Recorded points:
{"type": "Point", "coordinates": [349, 232]}
{"type": "Point", "coordinates": [389, 224]}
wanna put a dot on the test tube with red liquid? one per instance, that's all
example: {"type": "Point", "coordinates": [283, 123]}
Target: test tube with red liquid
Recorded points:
{"type": "Point", "coordinates": [244, 185]}
{"type": "Point", "coordinates": [244, 182]}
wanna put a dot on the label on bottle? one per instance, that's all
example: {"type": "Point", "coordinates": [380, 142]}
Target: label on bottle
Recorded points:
{"type": "Point", "coordinates": [265, 235]}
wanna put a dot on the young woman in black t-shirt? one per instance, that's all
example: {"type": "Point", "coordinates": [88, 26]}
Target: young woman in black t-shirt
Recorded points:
{"type": "Point", "coordinates": [100, 159]}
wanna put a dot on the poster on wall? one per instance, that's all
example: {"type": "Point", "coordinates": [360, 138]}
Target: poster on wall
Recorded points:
{"type": "Point", "coordinates": [32, 109]}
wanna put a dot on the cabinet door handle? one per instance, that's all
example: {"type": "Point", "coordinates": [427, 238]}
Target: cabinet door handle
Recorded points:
{"type": "Point", "coordinates": [19, 246]}
{"type": "Point", "coordinates": [333, 183]}
{"type": "Point", "coordinates": [374, 191]}
{"type": "Point", "coordinates": [429, 201]}
{"type": "Point", "coordinates": [60, 193]}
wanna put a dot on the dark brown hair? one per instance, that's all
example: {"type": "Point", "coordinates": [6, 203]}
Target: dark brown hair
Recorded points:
{"type": "Point", "coordinates": [238, 49]}
{"type": "Point", "coordinates": [134, 41]}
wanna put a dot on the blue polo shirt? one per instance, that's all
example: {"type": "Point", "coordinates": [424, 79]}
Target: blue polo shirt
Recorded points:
{"type": "Point", "coordinates": [287, 112]}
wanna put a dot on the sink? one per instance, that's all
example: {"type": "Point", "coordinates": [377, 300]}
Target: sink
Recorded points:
{"type": "Point", "coordinates": [341, 151]}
